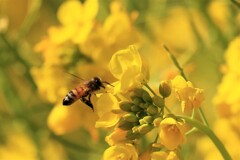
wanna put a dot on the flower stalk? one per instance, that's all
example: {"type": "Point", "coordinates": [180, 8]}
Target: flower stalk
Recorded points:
{"type": "Point", "coordinates": [210, 134]}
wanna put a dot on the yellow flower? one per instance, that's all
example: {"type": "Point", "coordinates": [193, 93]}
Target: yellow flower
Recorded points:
{"type": "Point", "coordinates": [105, 105]}
{"type": "Point", "coordinates": [127, 66]}
{"type": "Point", "coordinates": [49, 84]}
{"type": "Point", "coordinates": [228, 95]}
{"type": "Point", "coordinates": [77, 21]}
{"type": "Point", "coordinates": [106, 39]}
{"type": "Point", "coordinates": [122, 151]}
{"type": "Point", "coordinates": [18, 146]}
{"type": "Point", "coordinates": [189, 96]}
{"type": "Point", "coordinates": [62, 120]}
{"type": "Point", "coordinates": [162, 155]}
{"type": "Point", "coordinates": [117, 136]}
{"type": "Point", "coordinates": [221, 15]}
{"type": "Point", "coordinates": [232, 56]}
{"type": "Point", "coordinates": [171, 133]}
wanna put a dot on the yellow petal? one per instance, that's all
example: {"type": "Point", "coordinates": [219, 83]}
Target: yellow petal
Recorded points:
{"type": "Point", "coordinates": [105, 104]}
{"type": "Point", "coordinates": [70, 12]}
{"type": "Point", "coordinates": [124, 59]}
{"type": "Point", "coordinates": [123, 151]}
{"type": "Point", "coordinates": [171, 133]}
{"type": "Point", "coordinates": [90, 9]}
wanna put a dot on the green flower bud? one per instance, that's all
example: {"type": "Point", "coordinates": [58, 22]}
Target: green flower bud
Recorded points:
{"type": "Point", "coordinates": [130, 117]}
{"type": "Point", "coordinates": [146, 120]}
{"type": "Point", "coordinates": [146, 97]}
{"type": "Point", "coordinates": [145, 128]}
{"type": "Point", "coordinates": [137, 101]}
{"type": "Point", "coordinates": [125, 125]}
{"type": "Point", "coordinates": [141, 114]}
{"type": "Point", "coordinates": [132, 135]}
{"type": "Point", "coordinates": [158, 101]}
{"type": "Point", "coordinates": [135, 129]}
{"type": "Point", "coordinates": [165, 88]}
{"type": "Point", "coordinates": [152, 109]}
{"type": "Point", "coordinates": [135, 108]}
{"type": "Point", "coordinates": [144, 105]}
{"type": "Point", "coordinates": [126, 106]}
{"type": "Point", "coordinates": [139, 92]}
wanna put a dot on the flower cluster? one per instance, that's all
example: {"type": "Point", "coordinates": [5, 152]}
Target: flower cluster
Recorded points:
{"type": "Point", "coordinates": [136, 111]}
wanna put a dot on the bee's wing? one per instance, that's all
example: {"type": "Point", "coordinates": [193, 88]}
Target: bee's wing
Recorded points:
{"type": "Point", "coordinates": [72, 80]}
{"type": "Point", "coordinates": [76, 76]}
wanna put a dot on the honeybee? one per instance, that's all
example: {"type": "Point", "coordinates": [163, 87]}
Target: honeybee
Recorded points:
{"type": "Point", "coordinates": [84, 91]}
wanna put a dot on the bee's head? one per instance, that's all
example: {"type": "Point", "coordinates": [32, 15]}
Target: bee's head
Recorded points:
{"type": "Point", "coordinates": [97, 81]}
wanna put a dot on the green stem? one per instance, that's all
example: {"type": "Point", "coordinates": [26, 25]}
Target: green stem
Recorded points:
{"type": "Point", "coordinates": [175, 61]}
{"type": "Point", "coordinates": [167, 109]}
{"type": "Point", "coordinates": [236, 3]}
{"type": "Point", "coordinates": [210, 134]}
{"type": "Point", "coordinates": [190, 131]}
{"type": "Point", "coordinates": [16, 54]}
{"type": "Point", "coordinates": [203, 117]}
{"type": "Point", "coordinates": [150, 89]}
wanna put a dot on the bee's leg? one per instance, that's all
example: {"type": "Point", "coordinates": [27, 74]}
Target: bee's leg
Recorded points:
{"type": "Point", "coordinates": [87, 101]}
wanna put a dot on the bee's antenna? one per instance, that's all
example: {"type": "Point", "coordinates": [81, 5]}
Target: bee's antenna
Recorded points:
{"type": "Point", "coordinates": [107, 83]}
{"type": "Point", "coordinates": [75, 76]}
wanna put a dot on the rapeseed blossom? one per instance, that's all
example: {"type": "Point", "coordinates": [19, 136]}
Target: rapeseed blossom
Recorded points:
{"type": "Point", "coordinates": [134, 112]}
{"type": "Point", "coordinates": [190, 97]}
{"type": "Point", "coordinates": [124, 151]}
{"type": "Point", "coordinates": [121, 43]}
{"type": "Point", "coordinates": [128, 63]}
{"type": "Point", "coordinates": [172, 133]}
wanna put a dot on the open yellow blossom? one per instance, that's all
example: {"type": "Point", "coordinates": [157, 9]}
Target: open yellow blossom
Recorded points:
{"type": "Point", "coordinates": [189, 96]}
{"type": "Point", "coordinates": [171, 133]}
{"type": "Point", "coordinates": [105, 105]}
{"type": "Point", "coordinates": [127, 66]}
{"type": "Point", "coordinates": [117, 136]}
{"type": "Point", "coordinates": [122, 151]}
{"type": "Point", "coordinates": [77, 20]}
{"type": "Point", "coordinates": [162, 155]}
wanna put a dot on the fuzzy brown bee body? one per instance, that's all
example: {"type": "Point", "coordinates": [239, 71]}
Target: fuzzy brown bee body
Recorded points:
{"type": "Point", "coordinates": [83, 92]}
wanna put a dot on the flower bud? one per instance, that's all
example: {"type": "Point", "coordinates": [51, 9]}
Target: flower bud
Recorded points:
{"type": "Point", "coordinates": [152, 109]}
{"type": "Point", "coordinates": [146, 97]}
{"type": "Point", "coordinates": [130, 117]}
{"type": "Point", "coordinates": [139, 92]}
{"type": "Point", "coordinates": [145, 128]}
{"type": "Point", "coordinates": [126, 106]}
{"type": "Point", "coordinates": [137, 101]}
{"type": "Point", "coordinates": [135, 108]}
{"type": "Point", "coordinates": [157, 122]}
{"type": "Point", "coordinates": [165, 88]}
{"type": "Point", "coordinates": [141, 114]}
{"type": "Point", "coordinates": [146, 120]}
{"type": "Point", "coordinates": [132, 135]}
{"type": "Point", "coordinates": [158, 101]}
{"type": "Point", "coordinates": [144, 105]}
{"type": "Point", "coordinates": [125, 125]}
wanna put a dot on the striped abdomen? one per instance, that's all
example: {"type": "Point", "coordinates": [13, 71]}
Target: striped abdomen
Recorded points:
{"type": "Point", "coordinates": [74, 95]}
